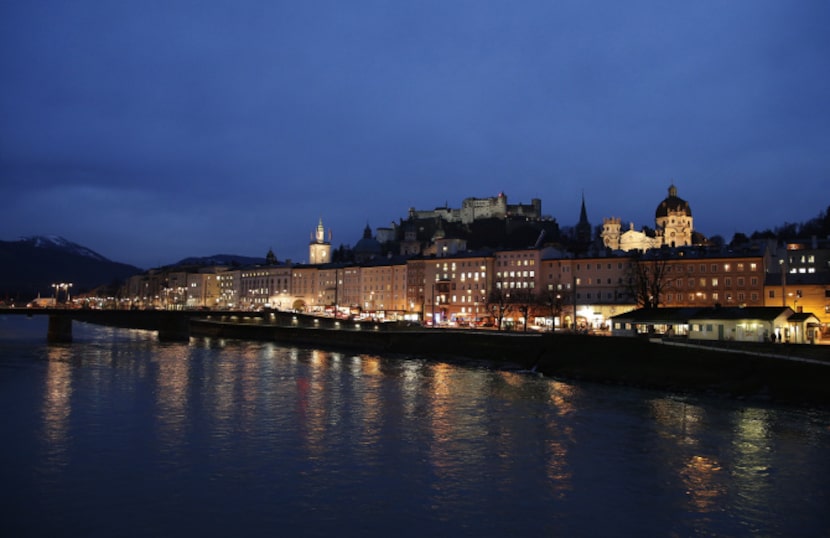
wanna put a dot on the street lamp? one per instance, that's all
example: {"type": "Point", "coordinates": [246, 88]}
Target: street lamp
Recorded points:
{"type": "Point", "coordinates": [61, 286]}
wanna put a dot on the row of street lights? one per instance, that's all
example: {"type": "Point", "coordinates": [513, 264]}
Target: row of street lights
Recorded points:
{"type": "Point", "coordinates": [58, 286]}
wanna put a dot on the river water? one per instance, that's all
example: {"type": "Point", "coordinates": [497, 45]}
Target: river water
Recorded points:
{"type": "Point", "coordinates": [117, 434]}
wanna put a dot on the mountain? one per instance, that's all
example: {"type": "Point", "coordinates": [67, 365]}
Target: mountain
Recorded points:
{"type": "Point", "coordinates": [31, 265]}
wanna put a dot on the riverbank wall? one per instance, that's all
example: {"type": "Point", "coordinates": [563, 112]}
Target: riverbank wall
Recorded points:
{"type": "Point", "coordinates": [775, 373]}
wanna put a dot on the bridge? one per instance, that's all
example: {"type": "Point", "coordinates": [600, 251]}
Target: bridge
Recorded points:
{"type": "Point", "coordinates": [170, 325]}
{"type": "Point", "coordinates": [175, 325]}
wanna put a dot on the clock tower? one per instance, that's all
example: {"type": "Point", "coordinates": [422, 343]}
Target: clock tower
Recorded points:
{"type": "Point", "coordinates": [319, 250]}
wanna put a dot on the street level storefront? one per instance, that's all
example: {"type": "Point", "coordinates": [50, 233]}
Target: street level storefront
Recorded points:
{"type": "Point", "coordinates": [656, 321]}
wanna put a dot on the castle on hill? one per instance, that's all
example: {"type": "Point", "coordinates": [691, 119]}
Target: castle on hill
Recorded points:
{"type": "Point", "coordinates": [473, 209]}
{"type": "Point", "coordinates": [494, 223]}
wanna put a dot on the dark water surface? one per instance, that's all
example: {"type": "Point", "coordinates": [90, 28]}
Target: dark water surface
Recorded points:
{"type": "Point", "coordinates": [119, 435]}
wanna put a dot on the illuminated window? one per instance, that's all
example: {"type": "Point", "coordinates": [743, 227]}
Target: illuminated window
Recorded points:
{"type": "Point", "coordinates": [714, 282]}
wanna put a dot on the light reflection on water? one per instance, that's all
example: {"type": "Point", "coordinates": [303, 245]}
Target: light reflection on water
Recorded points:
{"type": "Point", "coordinates": [217, 438]}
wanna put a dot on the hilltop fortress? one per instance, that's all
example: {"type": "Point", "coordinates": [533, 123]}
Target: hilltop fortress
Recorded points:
{"type": "Point", "coordinates": [473, 209]}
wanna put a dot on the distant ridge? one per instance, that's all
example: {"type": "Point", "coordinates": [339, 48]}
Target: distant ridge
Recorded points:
{"type": "Point", "coordinates": [222, 259]}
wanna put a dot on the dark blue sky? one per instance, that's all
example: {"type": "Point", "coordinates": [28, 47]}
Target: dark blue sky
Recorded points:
{"type": "Point", "coordinates": [150, 131]}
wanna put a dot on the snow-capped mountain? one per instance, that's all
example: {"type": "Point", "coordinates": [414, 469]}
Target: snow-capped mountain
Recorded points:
{"type": "Point", "coordinates": [59, 243]}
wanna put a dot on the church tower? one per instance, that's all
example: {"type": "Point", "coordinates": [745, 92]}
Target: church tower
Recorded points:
{"type": "Point", "coordinates": [319, 250]}
{"type": "Point", "coordinates": [583, 227]}
{"type": "Point", "coordinates": [611, 230]}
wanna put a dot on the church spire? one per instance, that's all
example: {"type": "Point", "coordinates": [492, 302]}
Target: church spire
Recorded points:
{"type": "Point", "coordinates": [321, 232]}
{"type": "Point", "coordinates": [583, 215]}
{"type": "Point", "coordinates": [583, 227]}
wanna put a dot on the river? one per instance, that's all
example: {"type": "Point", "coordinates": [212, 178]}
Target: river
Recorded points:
{"type": "Point", "coordinates": [117, 434]}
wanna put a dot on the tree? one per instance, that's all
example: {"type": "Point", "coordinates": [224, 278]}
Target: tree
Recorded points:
{"type": "Point", "coordinates": [522, 301]}
{"type": "Point", "coordinates": [552, 299]}
{"type": "Point", "coordinates": [738, 239]}
{"type": "Point", "coordinates": [498, 304]}
{"type": "Point", "coordinates": [648, 278]}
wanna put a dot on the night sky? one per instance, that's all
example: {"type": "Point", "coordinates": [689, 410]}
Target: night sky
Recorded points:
{"type": "Point", "coordinates": [151, 131]}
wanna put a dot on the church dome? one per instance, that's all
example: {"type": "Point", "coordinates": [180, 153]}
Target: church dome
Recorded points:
{"type": "Point", "coordinates": [674, 204]}
{"type": "Point", "coordinates": [368, 247]}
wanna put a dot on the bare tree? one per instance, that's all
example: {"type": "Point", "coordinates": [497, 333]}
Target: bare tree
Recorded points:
{"type": "Point", "coordinates": [498, 304]}
{"type": "Point", "coordinates": [552, 299]}
{"type": "Point", "coordinates": [648, 278]}
{"type": "Point", "coordinates": [522, 301]}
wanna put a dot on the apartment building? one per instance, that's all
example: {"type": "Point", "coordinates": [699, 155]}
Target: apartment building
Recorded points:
{"type": "Point", "coordinates": [383, 288]}
{"type": "Point", "coordinates": [517, 269]}
{"type": "Point", "coordinates": [415, 286]}
{"type": "Point", "coordinates": [261, 286]}
{"type": "Point", "coordinates": [456, 287]}
{"type": "Point", "coordinates": [591, 289]}
{"type": "Point", "coordinates": [303, 290]}
{"type": "Point", "coordinates": [702, 278]}
{"type": "Point", "coordinates": [798, 276]}
{"type": "Point", "coordinates": [203, 288]}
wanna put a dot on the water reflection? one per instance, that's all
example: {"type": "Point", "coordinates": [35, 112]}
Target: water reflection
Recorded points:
{"type": "Point", "coordinates": [560, 435]}
{"type": "Point", "coordinates": [57, 405]}
{"type": "Point", "coordinates": [172, 393]}
{"type": "Point", "coordinates": [318, 438]}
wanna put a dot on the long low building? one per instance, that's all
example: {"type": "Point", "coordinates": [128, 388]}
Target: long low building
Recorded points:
{"type": "Point", "coordinates": [751, 324]}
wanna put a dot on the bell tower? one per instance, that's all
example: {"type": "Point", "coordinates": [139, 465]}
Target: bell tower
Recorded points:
{"type": "Point", "coordinates": [319, 250]}
{"type": "Point", "coordinates": [611, 233]}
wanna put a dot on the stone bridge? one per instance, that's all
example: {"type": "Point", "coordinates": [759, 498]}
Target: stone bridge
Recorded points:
{"type": "Point", "coordinates": [169, 324]}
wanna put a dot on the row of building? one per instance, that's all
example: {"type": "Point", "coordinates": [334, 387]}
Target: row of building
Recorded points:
{"type": "Point", "coordinates": [441, 281]}
{"type": "Point", "coordinates": [457, 287]}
